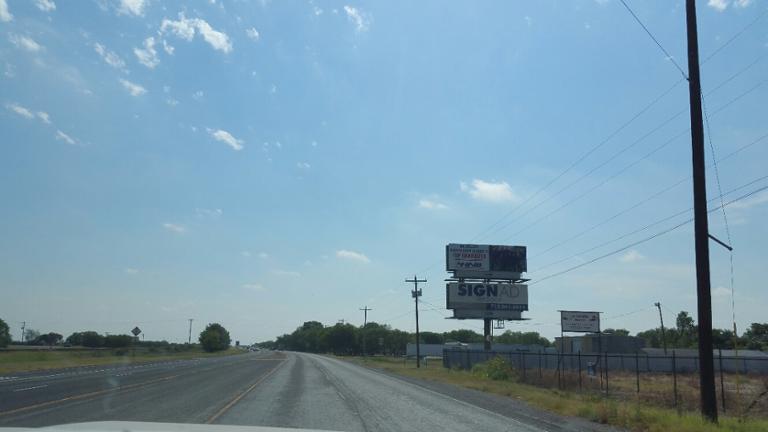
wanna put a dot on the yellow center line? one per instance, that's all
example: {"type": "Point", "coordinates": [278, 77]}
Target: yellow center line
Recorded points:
{"type": "Point", "coordinates": [237, 398]}
{"type": "Point", "coordinates": [85, 395]}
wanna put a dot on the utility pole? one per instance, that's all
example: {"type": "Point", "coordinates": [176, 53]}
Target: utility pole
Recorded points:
{"type": "Point", "coordinates": [189, 341]}
{"type": "Point", "coordinates": [365, 322]}
{"type": "Point", "coordinates": [23, 327]}
{"type": "Point", "coordinates": [663, 333]}
{"type": "Point", "coordinates": [416, 293]}
{"type": "Point", "coordinates": [701, 229]}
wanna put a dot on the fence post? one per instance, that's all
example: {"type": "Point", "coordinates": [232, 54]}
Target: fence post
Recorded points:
{"type": "Point", "coordinates": [637, 370]}
{"type": "Point", "coordinates": [522, 360]}
{"type": "Point", "coordinates": [540, 366]}
{"type": "Point", "coordinates": [606, 372]}
{"type": "Point", "coordinates": [722, 386]}
{"type": "Point", "coordinates": [469, 362]}
{"type": "Point", "coordinates": [674, 377]}
{"type": "Point", "coordinates": [579, 358]}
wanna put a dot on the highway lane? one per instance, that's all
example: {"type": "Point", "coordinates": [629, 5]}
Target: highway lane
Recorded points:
{"type": "Point", "coordinates": [182, 391]}
{"type": "Point", "coordinates": [266, 389]}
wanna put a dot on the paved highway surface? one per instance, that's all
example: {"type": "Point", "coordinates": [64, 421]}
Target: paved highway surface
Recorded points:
{"type": "Point", "coordinates": [265, 389]}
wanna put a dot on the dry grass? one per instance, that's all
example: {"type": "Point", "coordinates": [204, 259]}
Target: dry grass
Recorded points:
{"type": "Point", "coordinates": [32, 360]}
{"type": "Point", "coordinates": [630, 412]}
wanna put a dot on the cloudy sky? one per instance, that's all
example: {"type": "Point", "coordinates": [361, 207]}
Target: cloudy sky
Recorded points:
{"type": "Point", "coordinates": [261, 164]}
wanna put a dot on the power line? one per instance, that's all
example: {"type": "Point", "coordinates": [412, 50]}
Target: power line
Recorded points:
{"type": "Point", "coordinates": [627, 167]}
{"type": "Point", "coordinates": [649, 198]}
{"type": "Point", "coordinates": [660, 221]}
{"type": "Point", "coordinates": [735, 36]}
{"type": "Point", "coordinates": [667, 54]}
{"type": "Point", "coordinates": [644, 240]}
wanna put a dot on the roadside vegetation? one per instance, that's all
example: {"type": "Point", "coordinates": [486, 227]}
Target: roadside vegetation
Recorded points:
{"type": "Point", "coordinates": [498, 377]}
{"type": "Point", "coordinates": [85, 348]}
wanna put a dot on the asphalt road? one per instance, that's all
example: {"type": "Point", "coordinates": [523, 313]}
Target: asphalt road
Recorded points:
{"type": "Point", "coordinates": [265, 389]}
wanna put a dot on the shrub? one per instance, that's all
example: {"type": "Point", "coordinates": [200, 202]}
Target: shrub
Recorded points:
{"type": "Point", "coordinates": [496, 369]}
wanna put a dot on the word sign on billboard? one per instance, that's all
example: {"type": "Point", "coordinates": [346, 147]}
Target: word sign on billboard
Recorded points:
{"type": "Point", "coordinates": [575, 321]}
{"type": "Point", "coordinates": [486, 260]}
{"type": "Point", "coordinates": [488, 296]}
{"type": "Point", "coordinates": [482, 314]}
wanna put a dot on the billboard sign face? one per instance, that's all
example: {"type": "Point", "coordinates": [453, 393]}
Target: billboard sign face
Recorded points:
{"type": "Point", "coordinates": [575, 321]}
{"type": "Point", "coordinates": [486, 261]}
{"type": "Point", "coordinates": [482, 314]}
{"type": "Point", "coordinates": [487, 296]}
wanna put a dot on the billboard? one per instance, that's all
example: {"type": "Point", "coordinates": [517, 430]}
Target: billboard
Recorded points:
{"type": "Point", "coordinates": [576, 321]}
{"type": "Point", "coordinates": [482, 313]}
{"type": "Point", "coordinates": [486, 261]}
{"type": "Point", "coordinates": [487, 296]}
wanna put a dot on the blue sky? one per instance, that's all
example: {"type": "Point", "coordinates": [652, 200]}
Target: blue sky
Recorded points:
{"type": "Point", "coordinates": [261, 164]}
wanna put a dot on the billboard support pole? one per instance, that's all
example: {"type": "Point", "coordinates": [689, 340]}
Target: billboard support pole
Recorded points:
{"type": "Point", "coordinates": [416, 293]}
{"type": "Point", "coordinates": [486, 334]}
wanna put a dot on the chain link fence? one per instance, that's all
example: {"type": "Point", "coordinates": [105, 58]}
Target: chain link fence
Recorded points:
{"type": "Point", "coordinates": [667, 381]}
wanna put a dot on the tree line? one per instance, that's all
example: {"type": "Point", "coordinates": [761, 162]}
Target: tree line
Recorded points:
{"type": "Point", "coordinates": [347, 339]}
{"type": "Point", "coordinates": [375, 338]}
{"type": "Point", "coordinates": [214, 338]}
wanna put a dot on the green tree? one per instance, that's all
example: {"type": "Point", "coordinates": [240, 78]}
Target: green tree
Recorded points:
{"type": "Point", "coordinates": [30, 335]}
{"type": "Point", "coordinates": [49, 339]}
{"type": "Point", "coordinates": [341, 339]}
{"type": "Point", "coordinates": [756, 336]}
{"type": "Point", "coordinates": [464, 336]}
{"type": "Point", "coordinates": [524, 338]}
{"type": "Point", "coordinates": [214, 338]}
{"type": "Point", "coordinates": [5, 334]}
{"type": "Point", "coordinates": [431, 338]}
{"type": "Point", "coordinates": [118, 341]}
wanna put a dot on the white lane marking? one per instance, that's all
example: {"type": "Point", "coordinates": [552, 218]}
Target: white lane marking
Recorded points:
{"type": "Point", "coordinates": [31, 388]}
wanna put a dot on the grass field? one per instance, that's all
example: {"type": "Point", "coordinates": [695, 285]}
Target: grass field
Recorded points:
{"type": "Point", "coordinates": [633, 413]}
{"type": "Point", "coordinates": [31, 360]}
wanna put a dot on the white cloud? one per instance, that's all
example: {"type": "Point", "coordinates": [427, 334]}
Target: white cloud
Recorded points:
{"type": "Point", "coordinates": [5, 14]}
{"type": "Point", "coordinates": [252, 33]}
{"type": "Point", "coordinates": [20, 110]}
{"type": "Point", "coordinates": [45, 5]}
{"type": "Point", "coordinates": [132, 7]}
{"type": "Point", "coordinates": [25, 43]}
{"type": "Point", "coordinates": [133, 88]}
{"type": "Point", "coordinates": [495, 192]}
{"type": "Point", "coordinates": [147, 55]}
{"type": "Point", "coordinates": [44, 117]}
{"type": "Point", "coordinates": [718, 5]}
{"type": "Point", "coordinates": [263, 255]}
{"type": "Point", "coordinates": [226, 138]}
{"type": "Point", "coordinates": [631, 256]}
{"type": "Point", "coordinates": [352, 256]}
{"type": "Point", "coordinates": [721, 291]}
{"type": "Point", "coordinates": [287, 273]}
{"type": "Point", "coordinates": [110, 57]}
{"type": "Point", "coordinates": [303, 165]}
{"type": "Point", "coordinates": [748, 203]}
{"type": "Point", "coordinates": [198, 95]}
{"type": "Point", "coordinates": [171, 101]}
{"type": "Point", "coordinates": [178, 229]}
{"type": "Point", "coordinates": [254, 287]}
{"type": "Point", "coordinates": [742, 3]}
{"type": "Point", "coordinates": [66, 138]}
{"type": "Point", "coordinates": [431, 205]}
{"type": "Point", "coordinates": [358, 17]}
{"type": "Point", "coordinates": [168, 48]}
{"type": "Point", "coordinates": [186, 28]}
{"type": "Point", "coordinates": [208, 213]}
{"type": "Point", "coordinates": [130, 270]}
{"type": "Point", "coordinates": [245, 253]}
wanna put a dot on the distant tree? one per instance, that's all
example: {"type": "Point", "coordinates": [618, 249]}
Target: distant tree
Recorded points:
{"type": "Point", "coordinates": [617, 332]}
{"type": "Point", "coordinates": [464, 336]}
{"type": "Point", "coordinates": [523, 338]}
{"type": "Point", "coordinates": [5, 334]}
{"type": "Point", "coordinates": [91, 339]}
{"type": "Point", "coordinates": [722, 339]}
{"type": "Point", "coordinates": [341, 339]}
{"type": "Point", "coordinates": [118, 341]}
{"type": "Point", "coordinates": [431, 338]}
{"type": "Point", "coordinates": [756, 336]}
{"type": "Point", "coordinates": [49, 339]}
{"type": "Point", "coordinates": [214, 338]}
{"type": "Point", "coordinates": [686, 331]}
{"type": "Point", "coordinates": [30, 335]}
